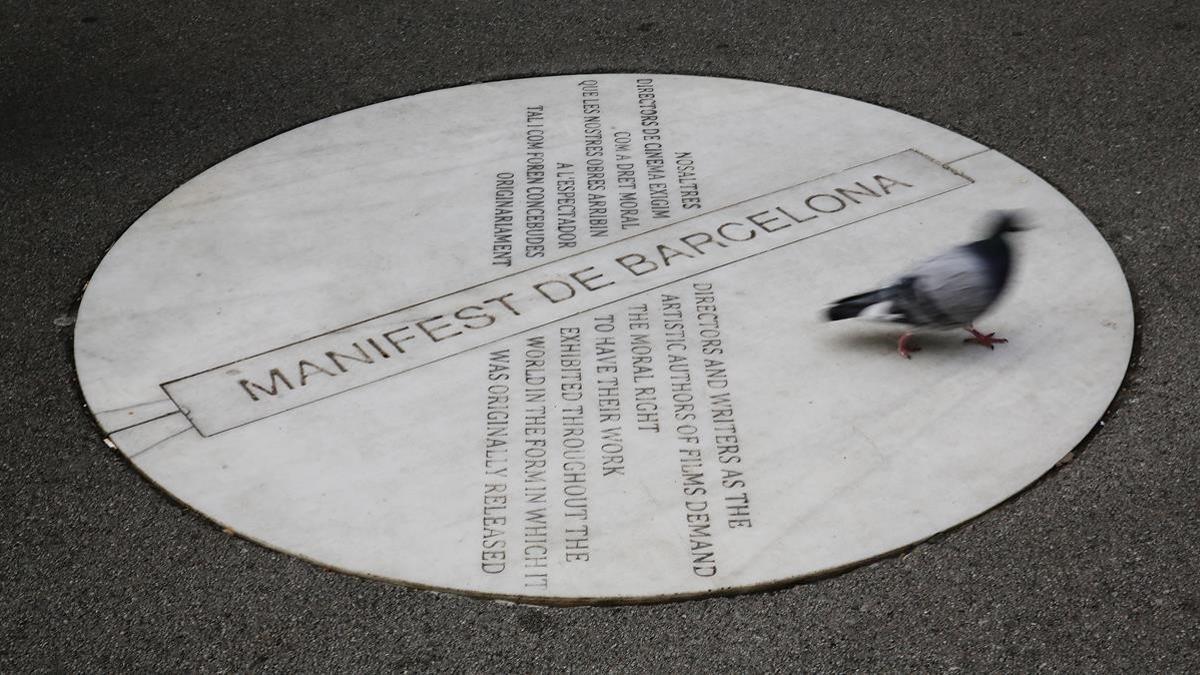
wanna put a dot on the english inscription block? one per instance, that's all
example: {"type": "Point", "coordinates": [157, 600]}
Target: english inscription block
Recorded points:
{"type": "Point", "coordinates": [558, 339]}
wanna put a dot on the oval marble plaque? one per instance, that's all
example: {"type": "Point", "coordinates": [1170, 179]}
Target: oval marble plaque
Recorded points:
{"type": "Point", "coordinates": [559, 339]}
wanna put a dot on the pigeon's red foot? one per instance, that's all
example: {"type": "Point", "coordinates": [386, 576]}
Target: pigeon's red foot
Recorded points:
{"type": "Point", "coordinates": [906, 349]}
{"type": "Point", "coordinates": [986, 340]}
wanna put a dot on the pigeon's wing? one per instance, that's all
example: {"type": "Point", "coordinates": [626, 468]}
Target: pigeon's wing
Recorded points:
{"type": "Point", "coordinates": [951, 289]}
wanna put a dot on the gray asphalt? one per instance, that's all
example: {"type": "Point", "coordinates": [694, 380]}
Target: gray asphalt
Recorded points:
{"type": "Point", "coordinates": [106, 107]}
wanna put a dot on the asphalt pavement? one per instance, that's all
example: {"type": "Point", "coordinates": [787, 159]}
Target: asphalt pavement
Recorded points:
{"type": "Point", "coordinates": [107, 107]}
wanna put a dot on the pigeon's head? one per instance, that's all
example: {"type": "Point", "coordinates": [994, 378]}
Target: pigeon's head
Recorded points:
{"type": "Point", "coordinates": [1006, 221]}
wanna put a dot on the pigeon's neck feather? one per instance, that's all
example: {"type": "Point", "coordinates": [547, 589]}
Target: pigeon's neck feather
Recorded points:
{"type": "Point", "coordinates": [996, 255]}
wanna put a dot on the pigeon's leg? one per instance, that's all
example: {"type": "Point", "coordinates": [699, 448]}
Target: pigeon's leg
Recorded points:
{"type": "Point", "coordinates": [906, 350]}
{"type": "Point", "coordinates": [987, 340]}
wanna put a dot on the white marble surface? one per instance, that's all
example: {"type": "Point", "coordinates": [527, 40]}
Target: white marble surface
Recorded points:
{"type": "Point", "coordinates": [382, 219]}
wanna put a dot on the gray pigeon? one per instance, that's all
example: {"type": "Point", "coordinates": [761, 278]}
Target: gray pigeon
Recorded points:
{"type": "Point", "coordinates": [947, 291]}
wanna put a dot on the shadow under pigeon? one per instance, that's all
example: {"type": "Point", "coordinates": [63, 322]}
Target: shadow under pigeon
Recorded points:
{"type": "Point", "coordinates": [887, 341]}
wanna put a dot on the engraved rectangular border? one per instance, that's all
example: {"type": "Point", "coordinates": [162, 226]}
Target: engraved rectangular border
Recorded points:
{"type": "Point", "coordinates": [188, 413]}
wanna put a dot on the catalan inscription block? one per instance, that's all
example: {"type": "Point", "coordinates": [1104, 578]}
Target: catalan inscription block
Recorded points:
{"type": "Point", "coordinates": [558, 339]}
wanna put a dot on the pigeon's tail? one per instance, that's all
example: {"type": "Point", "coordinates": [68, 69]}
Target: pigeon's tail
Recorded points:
{"type": "Point", "coordinates": [848, 308]}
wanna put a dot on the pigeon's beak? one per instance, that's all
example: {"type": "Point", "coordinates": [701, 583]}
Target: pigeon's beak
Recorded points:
{"type": "Point", "coordinates": [1009, 221]}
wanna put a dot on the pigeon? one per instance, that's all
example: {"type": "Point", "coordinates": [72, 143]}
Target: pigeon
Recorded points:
{"type": "Point", "coordinates": [947, 291]}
